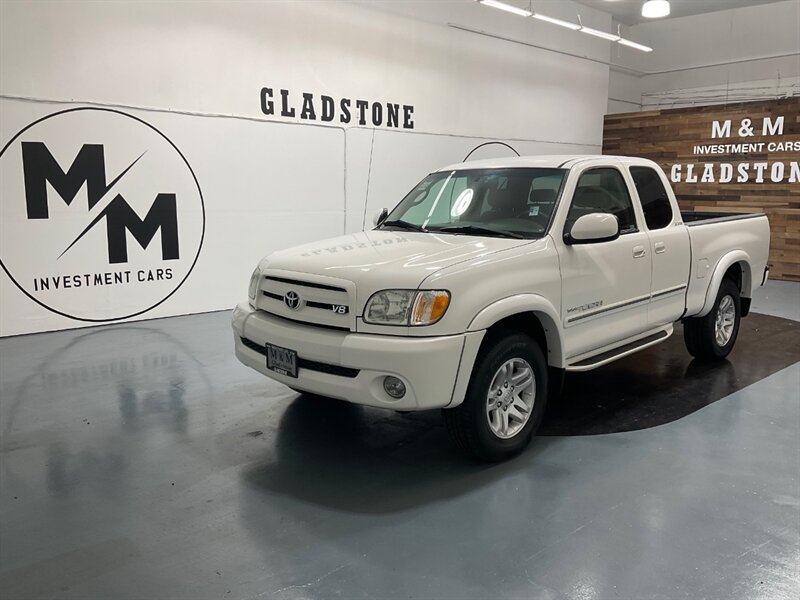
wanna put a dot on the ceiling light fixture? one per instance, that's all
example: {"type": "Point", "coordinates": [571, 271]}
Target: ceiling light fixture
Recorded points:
{"type": "Point", "coordinates": [567, 24]}
{"type": "Point", "coordinates": [506, 7]}
{"type": "Point", "coordinates": [631, 44]}
{"type": "Point", "coordinates": [601, 34]}
{"type": "Point", "coordinates": [655, 9]}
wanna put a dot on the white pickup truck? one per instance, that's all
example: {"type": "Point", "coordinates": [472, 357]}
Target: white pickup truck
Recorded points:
{"type": "Point", "coordinates": [489, 280]}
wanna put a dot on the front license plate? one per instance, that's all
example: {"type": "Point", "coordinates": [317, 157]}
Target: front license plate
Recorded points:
{"type": "Point", "coordinates": [282, 360]}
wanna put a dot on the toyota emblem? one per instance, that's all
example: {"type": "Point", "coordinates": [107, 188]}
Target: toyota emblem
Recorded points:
{"type": "Point", "coordinates": [292, 300]}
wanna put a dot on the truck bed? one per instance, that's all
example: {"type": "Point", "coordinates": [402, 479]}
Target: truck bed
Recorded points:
{"type": "Point", "coordinates": [692, 218]}
{"type": "Point", "coordinates": [712, 236]}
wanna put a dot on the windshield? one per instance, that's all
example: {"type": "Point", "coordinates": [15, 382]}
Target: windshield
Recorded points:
{"type": "Point", "coordinates": [511, 202]}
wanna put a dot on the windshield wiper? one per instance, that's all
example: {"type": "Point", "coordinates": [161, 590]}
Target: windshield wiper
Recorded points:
{"type": "Point", "coordinates": [478, 230]}
{"type": "Point", "coordinates": [404, 225]}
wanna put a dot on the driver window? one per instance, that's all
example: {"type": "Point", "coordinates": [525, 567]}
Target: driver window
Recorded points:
{"type": "Point", "coordinates": [603, 190]}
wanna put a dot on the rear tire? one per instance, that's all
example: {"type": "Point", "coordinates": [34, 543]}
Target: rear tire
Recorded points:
{"type": "Point", "coordinates": [713, 336]}
{"type": "Point", "coordinates": [505, 400]}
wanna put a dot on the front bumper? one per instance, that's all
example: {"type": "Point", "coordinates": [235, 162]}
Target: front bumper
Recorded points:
{"type": "Point", "coordinates": [430, 367]}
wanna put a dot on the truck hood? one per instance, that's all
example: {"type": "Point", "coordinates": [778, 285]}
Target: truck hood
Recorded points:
{"type": "Point", "coordinates": [380, 259]}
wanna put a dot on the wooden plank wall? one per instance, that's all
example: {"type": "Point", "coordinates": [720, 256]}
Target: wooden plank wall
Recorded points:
{"type": "Point", "coordinates": [669, 137]}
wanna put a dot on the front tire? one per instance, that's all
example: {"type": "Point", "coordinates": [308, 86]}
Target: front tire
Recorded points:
{"type": "Point", "coordinates": [505, 400]}
{"type": "Point", "coordinates": [713, 336]}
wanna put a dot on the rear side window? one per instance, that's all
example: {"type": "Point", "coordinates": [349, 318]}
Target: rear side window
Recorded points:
{"type": "Point", "coordinates": [603, 191]}
{"type": "Point", "coordinates": [655, 201]}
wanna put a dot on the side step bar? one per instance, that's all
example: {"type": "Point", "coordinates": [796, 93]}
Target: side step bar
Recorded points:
{"type": "Point", "coordinates": [587, 364]}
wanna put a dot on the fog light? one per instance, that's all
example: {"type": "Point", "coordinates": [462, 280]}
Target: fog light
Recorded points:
{"type": "Point", "coordinates": [394, 387]}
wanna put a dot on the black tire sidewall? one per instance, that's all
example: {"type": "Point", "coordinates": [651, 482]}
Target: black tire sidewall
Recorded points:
{"type": "Point", "coordinates": [503, 348]}
{"type": "Point", "coordinates": [726, 288]}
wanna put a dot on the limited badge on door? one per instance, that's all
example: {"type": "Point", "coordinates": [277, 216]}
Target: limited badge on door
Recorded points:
{"type": "Point", "coordinates": [282, 360]}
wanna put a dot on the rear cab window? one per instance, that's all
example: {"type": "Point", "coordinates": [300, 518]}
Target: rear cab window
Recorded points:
{"type": "Point", "coordinates": [653, 196]}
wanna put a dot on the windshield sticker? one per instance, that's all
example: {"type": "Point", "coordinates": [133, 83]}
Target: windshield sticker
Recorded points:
{"type": "Point", "coordinates": [462, 203]}
{"type": "Point", "coordinates": [533, 211]}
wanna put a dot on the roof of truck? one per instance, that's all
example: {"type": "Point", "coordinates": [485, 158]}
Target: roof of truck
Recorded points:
{"type": "Point", "coordinates": [553, 161]}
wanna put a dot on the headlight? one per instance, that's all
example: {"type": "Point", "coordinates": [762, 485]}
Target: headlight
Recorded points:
{"type": "Point", "coordinates": [389, 307]}
{"type": "Point", "coordinates": [255, 280]}
{"type": "Point", "coordinates": [406, 307]}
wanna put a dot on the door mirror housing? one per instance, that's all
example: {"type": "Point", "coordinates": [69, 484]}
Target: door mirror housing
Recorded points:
{"type": "Point", "coordinates": [593, 228]}
{"type": "Point", "coordinates": [380, 217]}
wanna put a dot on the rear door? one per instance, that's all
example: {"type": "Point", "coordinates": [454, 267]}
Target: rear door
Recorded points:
{"type": "Point", "coordinates": [669, 246]}
{"type": "Point", "coordinates": [605, 285]}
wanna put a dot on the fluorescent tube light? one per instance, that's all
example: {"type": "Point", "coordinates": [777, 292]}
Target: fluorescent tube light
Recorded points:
{"type": "Point", "coordinates": [601, 34]}
{"type": "Point", "coordinates": [655, 9]}
{"type": "Point", "coordinates": [641, 47]}
{"type": "Point", "coordinates": [567, 24]}
{"type": "Point", "coordinates": [506, 7]}
{"type": "Point", "coordinates": [573, 26]}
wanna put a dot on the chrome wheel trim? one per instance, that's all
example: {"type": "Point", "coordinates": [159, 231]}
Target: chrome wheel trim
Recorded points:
{"type": "Point", "coordinates": [509, 403]}
{"type": "Point", "coordinates": [725, 320]}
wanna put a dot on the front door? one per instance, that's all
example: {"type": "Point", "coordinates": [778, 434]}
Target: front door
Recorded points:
{"type": "Point", "coordinates": [605, 285]}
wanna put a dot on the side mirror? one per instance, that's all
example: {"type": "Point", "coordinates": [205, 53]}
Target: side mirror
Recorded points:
{"type": "Point", "coordinates": [380, 217]}
{"type": "Point", "coordinates": [593, 228]}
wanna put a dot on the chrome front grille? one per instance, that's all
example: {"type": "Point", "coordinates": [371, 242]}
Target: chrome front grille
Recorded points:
{"type": "Point", "coordinates": [307, 299]}
{"type": "Point", "coordinates": [309, 284]}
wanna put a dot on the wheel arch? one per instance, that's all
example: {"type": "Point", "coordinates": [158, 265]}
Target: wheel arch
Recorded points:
{"type": "Point", "coordinates": [736, 267]}
{"type": "Point", "coordinates": [529, 313]}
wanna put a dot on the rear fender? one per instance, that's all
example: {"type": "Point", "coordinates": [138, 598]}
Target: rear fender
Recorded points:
{"type": "Point", "coordinates": [736, 256]}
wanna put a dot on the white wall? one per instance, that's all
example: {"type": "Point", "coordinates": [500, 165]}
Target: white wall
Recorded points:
{"type": "Point", "coordinates": [742, 54]}
{"type": "Point", "coordinates": [194, 70]}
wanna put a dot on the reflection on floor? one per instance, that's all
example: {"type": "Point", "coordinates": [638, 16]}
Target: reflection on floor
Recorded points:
{"type": "Point", "coordinates": [663, 383]}
{"type": "Point", "coordinates": [142, 461]}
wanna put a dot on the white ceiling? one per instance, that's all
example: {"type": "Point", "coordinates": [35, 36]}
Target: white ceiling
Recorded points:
{"type": "Point", "coordinates": [629, 12]}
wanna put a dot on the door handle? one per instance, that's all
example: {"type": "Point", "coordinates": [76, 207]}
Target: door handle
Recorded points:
{"type": "Point", "coordinates": [639, 251]}
{"type": "Point", "coordinates": [660, 247]}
